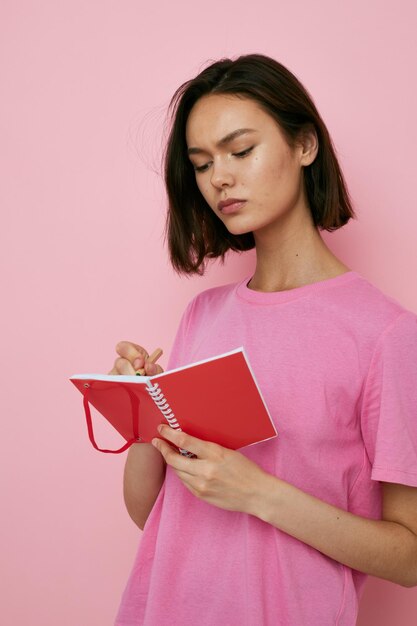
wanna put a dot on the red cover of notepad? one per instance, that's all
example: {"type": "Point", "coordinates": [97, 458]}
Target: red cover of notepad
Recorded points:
{"type": "Point", "coordinates": [216, 400]}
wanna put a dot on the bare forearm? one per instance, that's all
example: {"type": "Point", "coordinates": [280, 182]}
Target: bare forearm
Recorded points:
{"type": "Point", "coordinates": [144, 475]}
{"type": "Point", "coordinates": [381, 548]}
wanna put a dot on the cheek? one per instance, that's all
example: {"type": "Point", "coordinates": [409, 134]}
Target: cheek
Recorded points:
{"type": "Point", "coordinates": [278, 175]}
{"type": "Point", "coordinates": [206, 191]}
{"type": "Point", "coordinates": [277, 185]}
{"type": "Point", "coordinates": [265, 177]}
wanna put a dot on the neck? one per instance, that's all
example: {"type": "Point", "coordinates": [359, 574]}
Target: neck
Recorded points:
{"type": "Point", "coordinates": [292, 256]}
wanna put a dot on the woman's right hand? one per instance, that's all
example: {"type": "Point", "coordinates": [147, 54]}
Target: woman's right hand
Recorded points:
{"type": "Point", "coordinates": [145, 467]}
{"type": "Point", "coordinates": [132, 358]}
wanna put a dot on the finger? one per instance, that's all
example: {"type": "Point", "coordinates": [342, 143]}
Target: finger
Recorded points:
{"type": "Point", "coordinates": [122, 366]}
{"type": "Point", "coordinates": [148, 369]}
{"type": "Point", "coordinates": [187, 442]}
{"type": "Point", "coordinates": [172, 457]}
{"type": "Point", "coordinates": [152, 368]}
{"type": "Point", "coordinates": [132, 352]}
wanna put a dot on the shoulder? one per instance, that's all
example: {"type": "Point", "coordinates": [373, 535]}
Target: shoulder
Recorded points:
{"type": "Point", "coordinates": [197, 320]}
{"type": "Point", "coordinates": [364, 304]}
{"type": "Point", "coordinates": [214, 293]}
{"type": "Point", "coordinates": [209, 300]}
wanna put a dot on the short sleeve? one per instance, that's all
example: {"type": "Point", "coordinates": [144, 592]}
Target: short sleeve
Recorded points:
{"type": "Point", "coordinates": [178, 354]}
{"type": "Point", "coordinates": [389, 407]}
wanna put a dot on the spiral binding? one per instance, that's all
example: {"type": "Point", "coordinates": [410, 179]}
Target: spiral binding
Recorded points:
{"type": "Point", "coordinates": [158, 397]}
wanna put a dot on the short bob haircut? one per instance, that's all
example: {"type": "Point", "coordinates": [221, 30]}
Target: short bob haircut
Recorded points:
{"type": "Point", "coordinates": [194, 233]}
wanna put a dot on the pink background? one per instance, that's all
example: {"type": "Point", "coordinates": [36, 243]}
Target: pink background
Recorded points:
{"type": "Point", "coordinates": [84, 88]}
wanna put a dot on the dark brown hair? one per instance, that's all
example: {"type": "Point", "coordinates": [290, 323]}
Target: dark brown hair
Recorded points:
{"type": "Point", "coordinates": [194, 233]}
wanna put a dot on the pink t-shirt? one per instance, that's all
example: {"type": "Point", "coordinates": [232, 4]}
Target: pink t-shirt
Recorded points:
{"type": "Point", "coordinates": [336, 362]}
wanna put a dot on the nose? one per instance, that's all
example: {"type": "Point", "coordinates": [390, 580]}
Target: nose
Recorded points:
{"type": "Point", "coordinates": [221, 175]}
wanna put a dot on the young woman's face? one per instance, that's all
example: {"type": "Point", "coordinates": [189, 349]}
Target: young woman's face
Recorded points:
{"type": "Point", "coordinates": [240, 153]}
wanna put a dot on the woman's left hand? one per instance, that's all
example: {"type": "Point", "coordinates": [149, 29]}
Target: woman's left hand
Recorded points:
{"type": "Point", "coordinates": [222, 477]}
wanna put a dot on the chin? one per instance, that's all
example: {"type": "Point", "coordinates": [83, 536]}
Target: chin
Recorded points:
{"type": "Point", "coordinates": [239, 231]}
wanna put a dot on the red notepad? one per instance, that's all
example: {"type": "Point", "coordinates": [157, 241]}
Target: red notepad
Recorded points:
{"type": "Point", "coordinates": [216, 400]}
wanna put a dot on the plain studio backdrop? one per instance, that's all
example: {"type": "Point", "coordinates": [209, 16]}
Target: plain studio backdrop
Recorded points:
{"type": "Point", "coordinates": [84, 88]}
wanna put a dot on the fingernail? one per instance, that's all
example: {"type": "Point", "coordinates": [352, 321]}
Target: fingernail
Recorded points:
{"type": "Point", "coordinates": [137, 363]}
{"type": "Point", "coordinates": [159, 429]}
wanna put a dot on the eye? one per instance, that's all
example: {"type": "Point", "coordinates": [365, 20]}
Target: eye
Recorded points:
{"type": "Point", "coordinates": [244, 153]}
{"type": "Point", "coordinates": [201, 168]}
{"type": "Point", "coordinates": [240, 155]}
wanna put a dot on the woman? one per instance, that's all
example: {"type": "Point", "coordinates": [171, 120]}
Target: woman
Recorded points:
{"type": "Point", "coordinates": [285, 531]}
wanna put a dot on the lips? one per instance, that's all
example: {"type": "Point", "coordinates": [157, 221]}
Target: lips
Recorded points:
{"type": "Point", "coordinates": [230, 205]}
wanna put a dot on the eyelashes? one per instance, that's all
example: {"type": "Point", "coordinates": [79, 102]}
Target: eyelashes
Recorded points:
{"type": "Point", "coordinates": [239, 155]}
{"type": "Point", "coordinates": [244, 153]}
{"type": "Point", "coordinates": [201, 168]}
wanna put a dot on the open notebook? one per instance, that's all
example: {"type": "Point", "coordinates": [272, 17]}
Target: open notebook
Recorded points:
{"type": "Point", "coordinates": [217, 400]}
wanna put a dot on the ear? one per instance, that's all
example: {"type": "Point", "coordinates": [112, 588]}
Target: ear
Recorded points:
{"type": "Point", "coordinates": [309, 146]}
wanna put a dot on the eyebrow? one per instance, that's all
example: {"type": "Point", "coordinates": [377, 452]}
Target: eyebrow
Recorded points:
{"type": "Point", "coordinates": [225, 140]}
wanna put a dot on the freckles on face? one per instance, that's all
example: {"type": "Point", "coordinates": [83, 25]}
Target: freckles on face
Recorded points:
{"type": "Point", "coordinates": [238, 151]}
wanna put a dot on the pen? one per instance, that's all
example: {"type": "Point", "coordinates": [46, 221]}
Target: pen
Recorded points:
{"type": "Point", "coordinates": [152, 359]}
